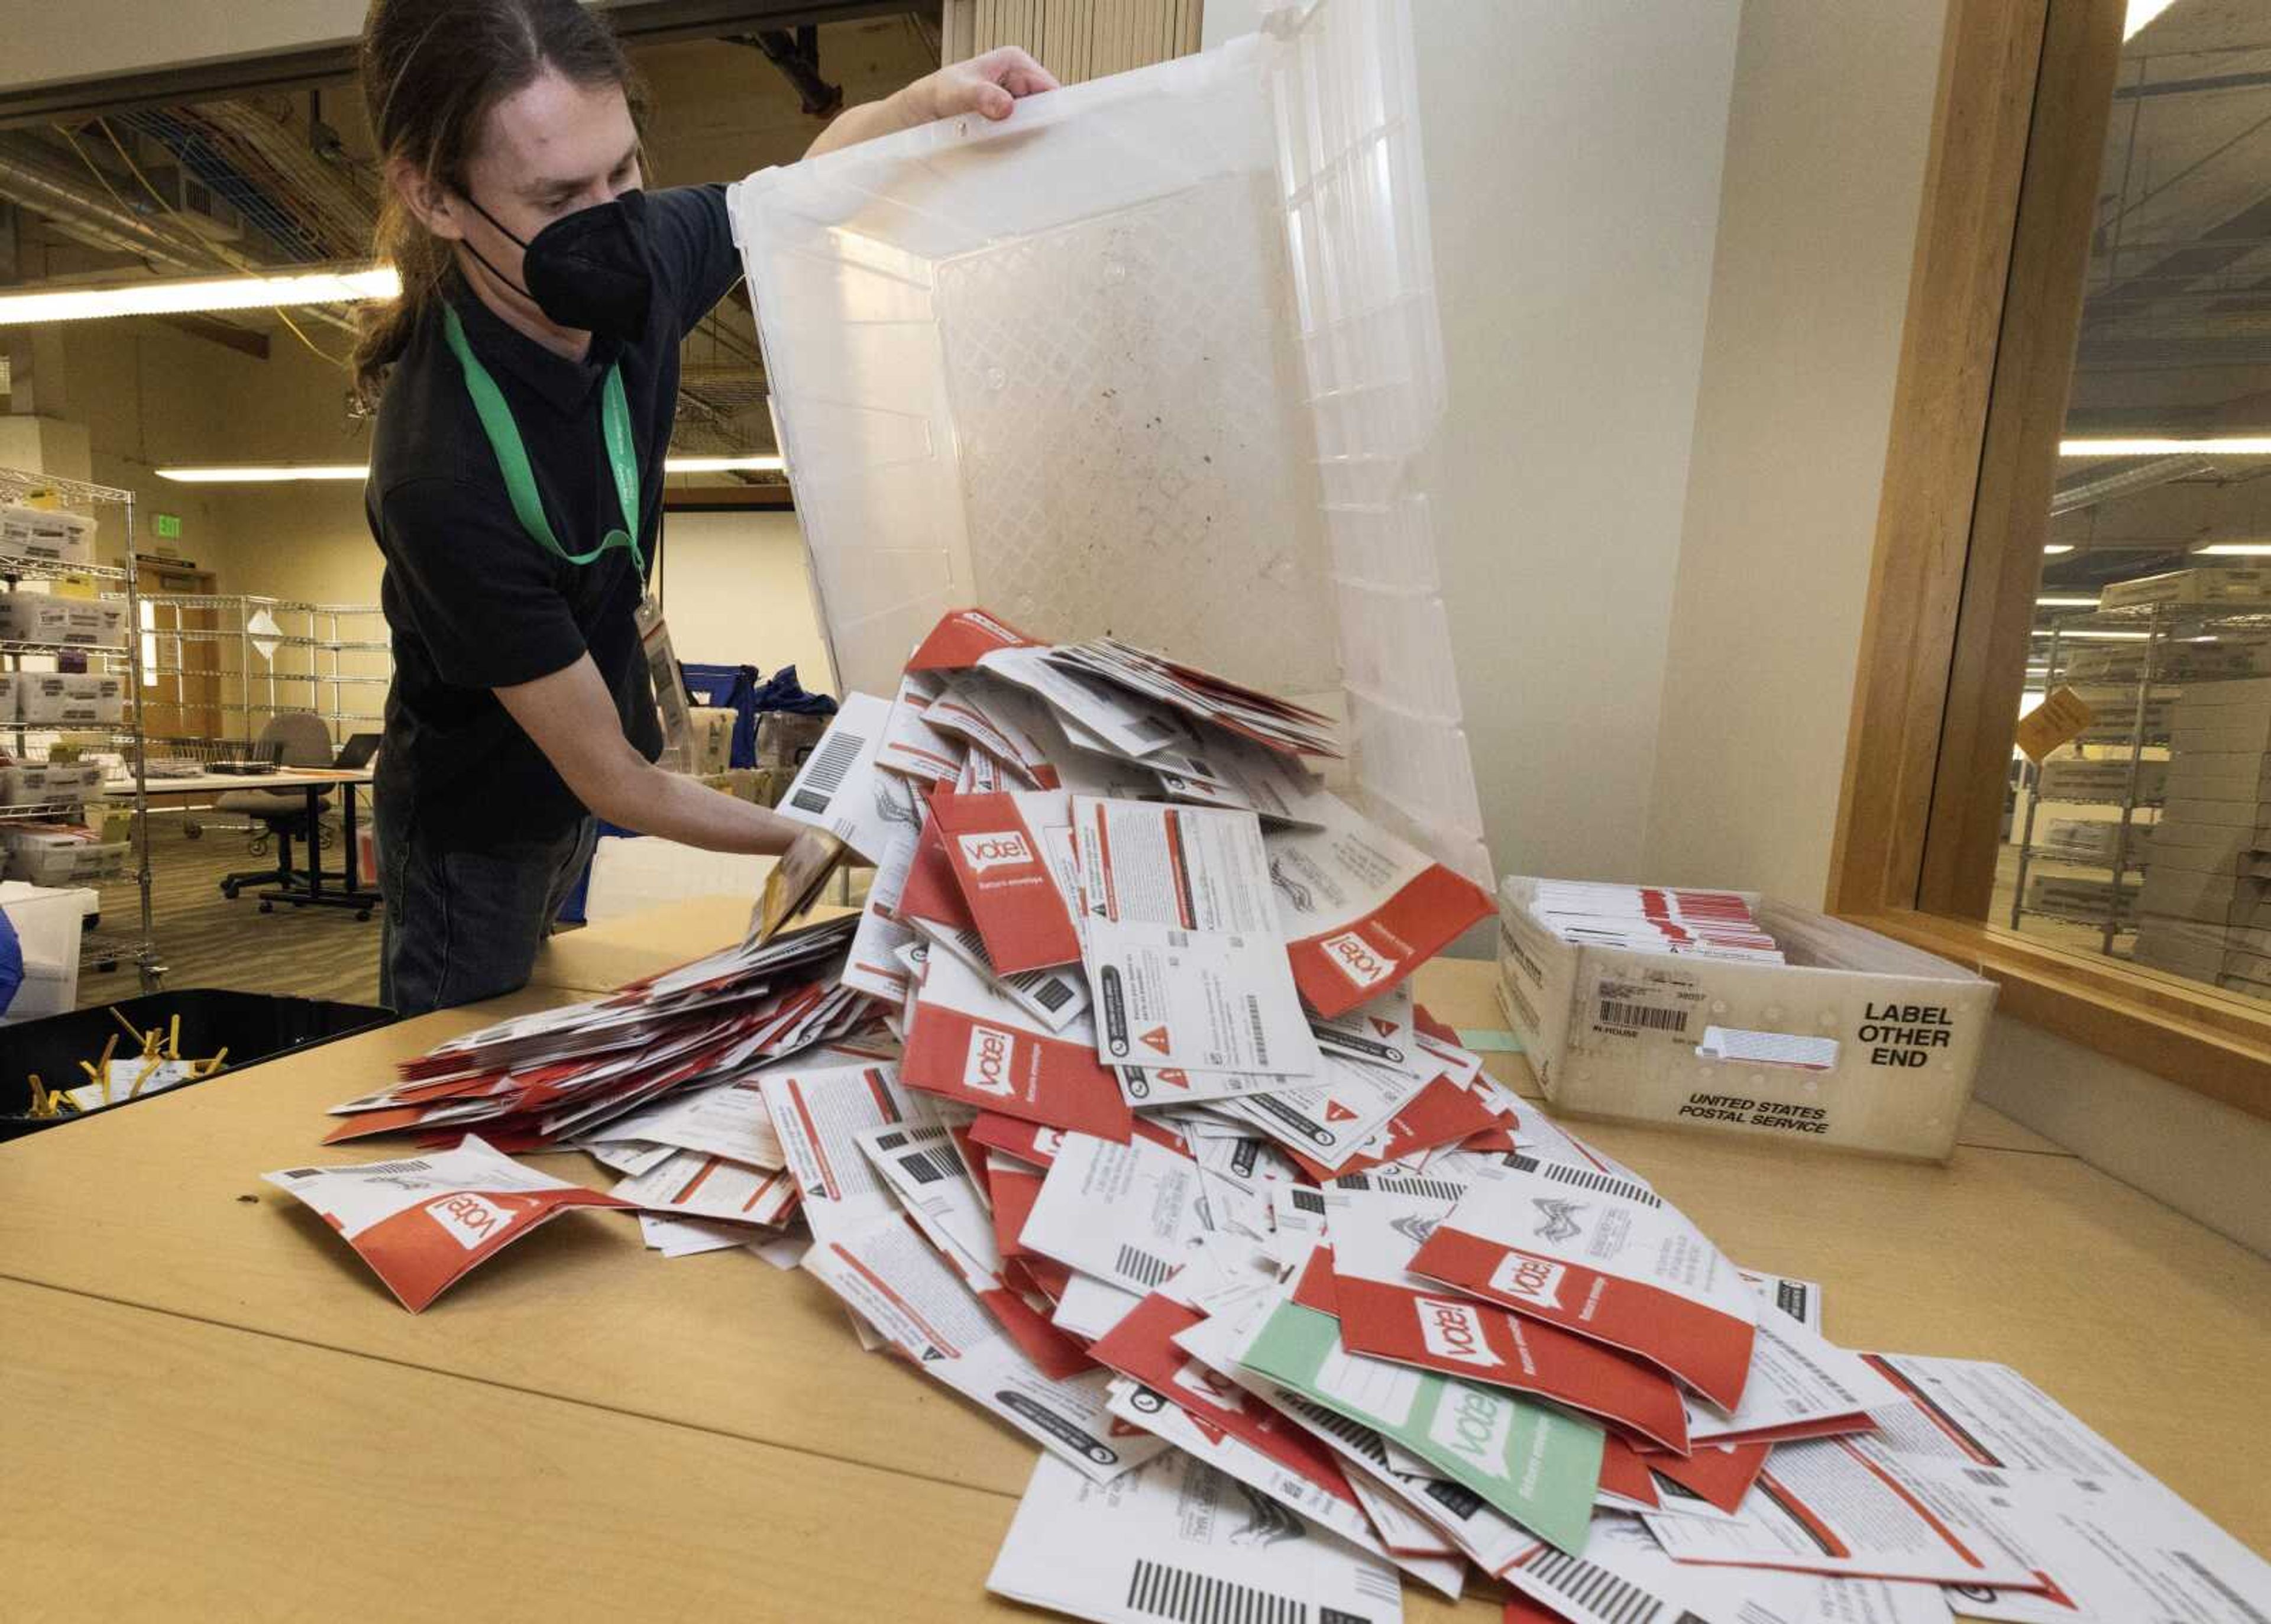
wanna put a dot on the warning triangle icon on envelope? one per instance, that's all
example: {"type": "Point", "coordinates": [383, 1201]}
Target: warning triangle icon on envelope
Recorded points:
{"type": "Point", "coordinates": [1336, 1111]}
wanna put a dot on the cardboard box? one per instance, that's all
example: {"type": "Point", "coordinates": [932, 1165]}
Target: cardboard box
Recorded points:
{"type": "Point", "coordinates": [2075, 778]}
{"type": "Point", "coordinates": [74, 623]}
{"type": "Point", "coordinates": [67, 699]}
{"type": "Point", "coordinates": [2205, 584]}
{"type": "Point", "coordinates": [785, 739]}
{"type": "Point", "coordinates": [1613, 1032]}
{"type": "Point", "coordinates": [45, 854]}
{"type": "Point", "coordinates": [710, 741]}
{"type": "Point", "coordinates": [45, 534]}
{"type": "Point", "coordinates": [753, 785]}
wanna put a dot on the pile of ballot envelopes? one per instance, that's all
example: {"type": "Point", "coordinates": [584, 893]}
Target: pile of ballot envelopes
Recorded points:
{"type": "Point", "coordinates": [1113, 1110]}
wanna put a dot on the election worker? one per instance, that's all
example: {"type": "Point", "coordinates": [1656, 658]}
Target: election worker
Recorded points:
{"type": "Point", "coordinates": [526, 383]}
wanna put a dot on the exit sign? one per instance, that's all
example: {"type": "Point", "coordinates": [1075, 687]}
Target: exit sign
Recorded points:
{"type": "Point", "coordinates": [166, 527]}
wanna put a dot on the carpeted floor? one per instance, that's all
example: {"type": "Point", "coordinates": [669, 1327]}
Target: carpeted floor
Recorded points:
{"type": "Point", "coordinates": [205, 940]}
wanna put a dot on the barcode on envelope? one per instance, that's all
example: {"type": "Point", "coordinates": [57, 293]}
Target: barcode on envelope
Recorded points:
{"type": "Point", "coordinates": [1617, 1012]}
{"type": "Point", "coordinates": [1434, 1189]}
{"type": "Point", "coordinates": [1356, 1435]}
{"type": "Point", "coordinates": [823, 775]}
{"type": "Point", "coordinates": [926, 1167]}
{"type": "Point", "coordinates": [1598, 1591]}
{"type": "Point", "coordinates": [1189, 1597]}
{"type": "Point", "coordinates": [1255, 1030]}
{"type": "Point", "coordinates": [1053, 993]}
{"type": "Point", "coordinates": [1137, 1264]}
{"type": "Point", "coordinates": [1586, 1179]}
{"type": "Point", "coordinates": [367, 1167]}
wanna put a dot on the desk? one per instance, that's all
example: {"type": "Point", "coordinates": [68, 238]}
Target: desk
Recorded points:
{"type": "Point", "coordinates": [309, 891]}
{"type": "Point", "coordinates": [615, 1427]}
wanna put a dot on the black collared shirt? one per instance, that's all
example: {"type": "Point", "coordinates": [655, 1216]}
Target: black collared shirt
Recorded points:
{"type": "Point", "coordinates": [472, 602]}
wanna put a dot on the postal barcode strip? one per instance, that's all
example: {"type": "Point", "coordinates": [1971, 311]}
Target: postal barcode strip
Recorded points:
{"type": "Point", "coordinates": [1308, 1200]}
{"type": "Point", "coordinates": [401, 1167]}
{"type": "Point", "coordinates": [1190, 1597]}
{"type": "Point", "coordinates": [1137, 1264]}
{"type": "Point", "coordinates": [1586, 1179]}
{"type": "Point", "coordinates": [1594, 1588]}
{"type": "Point", "coordinates": [823, 775]}
{"type": "Point", "coordinates": [1255, 1030]}
{"type": "Point", "coordinates": [1356, 1435]}
{"type": "Point", "coordinates": [1434, 1189]}
{"type": "Point", "coordinates": [1614, 1012]}
{"type": "Point", "coordinates": [1053, 993]}
{"type": "Point", "coordinates": [926, 1167]}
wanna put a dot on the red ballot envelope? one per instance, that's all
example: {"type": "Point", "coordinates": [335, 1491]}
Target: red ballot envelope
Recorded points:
{"type": "Point", "coordinates": [426, 1222]}
{"type": "Point", "coordinates": [1606, 1258]}
{"type": "Point", "coordinates": [970, 1043]}
{"type": "Point", "coordinates": [1003, 873]}
{"type": "Point", "coordinates": [962, 637]}
{"type": "Point", "coordinates": [1392, 1314]}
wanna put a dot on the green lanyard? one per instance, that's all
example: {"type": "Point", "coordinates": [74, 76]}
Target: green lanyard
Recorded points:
{"type": "Point", "coordinates": [512, 455]}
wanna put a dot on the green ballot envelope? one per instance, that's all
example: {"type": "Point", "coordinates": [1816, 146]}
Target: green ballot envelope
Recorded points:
{"type": "Point", "coordinates": [1537, 1466]}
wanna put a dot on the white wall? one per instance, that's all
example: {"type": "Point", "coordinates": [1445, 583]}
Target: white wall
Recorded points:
{"type": "Point", "coordinates": [1817, 226]}
{"type": "Point", "coordinates": [735, 592]}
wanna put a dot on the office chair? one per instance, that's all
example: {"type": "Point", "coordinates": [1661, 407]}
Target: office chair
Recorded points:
{"type": "Point", "coordinates": [307, 742]}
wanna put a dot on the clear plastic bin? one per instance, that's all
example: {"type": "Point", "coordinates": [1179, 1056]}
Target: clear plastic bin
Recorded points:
{"type": "Point", "coordinates": [1158, 356]}
{"type": "Point", "coordinates": [48, 926]}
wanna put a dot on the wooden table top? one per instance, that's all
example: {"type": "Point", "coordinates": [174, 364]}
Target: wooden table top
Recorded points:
{"type": "Point", "coordinates": [216, 1407]}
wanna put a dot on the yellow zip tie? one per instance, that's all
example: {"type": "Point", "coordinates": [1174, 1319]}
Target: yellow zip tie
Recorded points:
{"type": "Point", "coordinates": [173, 1043]}
{"type": "Point", "coordinates": [108, 1049]}
{"type": "Point", "coordinates": [148, 1070]}
{"type": "Point", "coordinates": [213, 1065]}
{"type": "Point", "coordinates": [132, 1031]}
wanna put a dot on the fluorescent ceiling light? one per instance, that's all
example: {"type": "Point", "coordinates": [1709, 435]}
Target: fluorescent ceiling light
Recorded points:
{"type": "Point", "coordinates": [2140, 13]}
{"type": "Point", "coordinates": [2162, 445]}
{"type": "Point", "coordinates": [722, 464]}
{"type": "Point", "coordinates": [2096, 636]}
{"type": "Point", "coordinates": [2066, 603]}
{"type": "Point", "coordinates": [2234, 550]}
{"type": "Point", "coordinates": [2055, 548]}
{"type": "Point", "coordinates": [176, 296]}
{"type": "Point", "coordinates": [262, 475]}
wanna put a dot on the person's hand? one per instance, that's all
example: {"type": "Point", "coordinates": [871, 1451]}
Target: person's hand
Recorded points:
{"type": "Point", "coordinates": [988, 86]}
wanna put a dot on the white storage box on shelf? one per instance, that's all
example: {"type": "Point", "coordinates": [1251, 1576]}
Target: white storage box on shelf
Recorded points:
{"type": "Point", "coordinates": [40, 782]}
{"type": "Point", "coordinates": [1614, 1032]}
{"type": "Point", "coordinates": [46, 855]}
{"type": "Point", "coordinates": [1159, 356]}
{"type": "Point", "coordinates": [69, 622]}
{"type": "Point", "coordinates": [48, 926]}
{"type": "Point", "coordinates": [70, 699]}
{"type": "Point", "coordinates": [46, 535]}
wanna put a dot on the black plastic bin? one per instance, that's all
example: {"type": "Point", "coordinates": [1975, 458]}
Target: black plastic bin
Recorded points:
{"type": "Point", "coordinates": [252, 1026]}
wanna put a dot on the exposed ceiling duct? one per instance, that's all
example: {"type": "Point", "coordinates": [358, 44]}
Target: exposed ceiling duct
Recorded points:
{"type": "Point", "coordinates": [2088, 492]}
{"type": "Point", "coordinates": [32, 178]}
{"type": "Point", "coordinates": [29, 176]}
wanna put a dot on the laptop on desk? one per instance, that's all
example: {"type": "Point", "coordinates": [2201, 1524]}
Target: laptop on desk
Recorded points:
{"type": "Point", "coordinates": [356, 753]}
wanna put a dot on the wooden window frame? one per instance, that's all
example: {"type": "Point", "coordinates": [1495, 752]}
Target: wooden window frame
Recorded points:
{"type": "Point", "coordinates": [1986, 363]}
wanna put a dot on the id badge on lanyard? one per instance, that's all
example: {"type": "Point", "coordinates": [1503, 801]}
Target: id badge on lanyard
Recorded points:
{"type": "Point", "coordinates": [512, 454]}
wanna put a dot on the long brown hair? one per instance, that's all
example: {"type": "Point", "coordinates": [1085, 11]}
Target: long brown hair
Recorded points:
{"type": "Point", "coordinates": [431, 71]}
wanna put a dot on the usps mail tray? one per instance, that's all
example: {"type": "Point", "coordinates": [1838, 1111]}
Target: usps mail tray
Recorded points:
{"type": "Point", "coordinates": [1614, 1032]}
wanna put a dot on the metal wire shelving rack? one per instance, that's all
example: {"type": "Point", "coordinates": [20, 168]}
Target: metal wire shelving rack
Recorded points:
{"type": "Point", "coordinates": [252, 666]}
{"type": "Point", "coordinates": [80, 495]}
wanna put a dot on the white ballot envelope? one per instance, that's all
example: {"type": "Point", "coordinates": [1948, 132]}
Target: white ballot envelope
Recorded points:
{"type": "Point", "coordinates": [1177, 1536]}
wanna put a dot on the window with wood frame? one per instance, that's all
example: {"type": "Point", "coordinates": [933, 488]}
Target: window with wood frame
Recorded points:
{"type": "Point", "coordinates": [2060, 767]}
